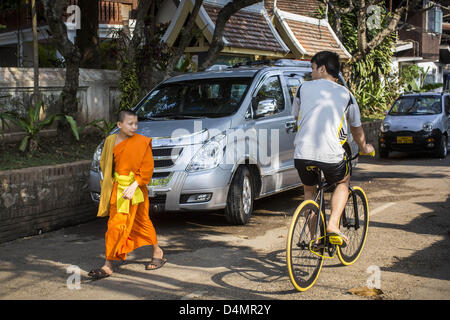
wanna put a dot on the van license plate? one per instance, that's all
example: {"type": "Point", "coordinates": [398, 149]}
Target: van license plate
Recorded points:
{"type": "Point", "coordinates": [404, 140]}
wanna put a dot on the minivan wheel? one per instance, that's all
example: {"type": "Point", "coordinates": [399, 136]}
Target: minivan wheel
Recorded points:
{"type": "Point", "coordinates": [443, 148]}
{"type": "Point", "coordinates": [240, 198]}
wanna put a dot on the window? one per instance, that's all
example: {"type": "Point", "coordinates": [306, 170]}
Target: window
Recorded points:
{"type": "Point", "coordinates": [434, 18]}
{"type": "Point", "coordinates": [197, 98]}
{"type": "Point", "coordinates": [416, 105]}
{"type": "Point", "coordinates": [270, 93]}
{"type": "Point", "coordinates": [447, 105]}
{"type": "Point", "coordinates": [293, 81]}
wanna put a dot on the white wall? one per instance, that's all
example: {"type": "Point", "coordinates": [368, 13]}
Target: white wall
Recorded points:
{"type": "Point", "coordinates": [98, 92]}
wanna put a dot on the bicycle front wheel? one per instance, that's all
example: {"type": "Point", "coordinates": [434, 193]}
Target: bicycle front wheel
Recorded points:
{"type": "Point", "coordinates": [354, 223]}
{"type": "Point", "coordinates": [303, 265]}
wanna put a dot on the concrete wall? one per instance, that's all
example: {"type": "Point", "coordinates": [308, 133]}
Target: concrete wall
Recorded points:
{"type": "Point", "coordinates": [41, 199]}
{"type": "Point", "coordinates": [371, 130]}
{"type": "Point", "coordinates": [98, 92]}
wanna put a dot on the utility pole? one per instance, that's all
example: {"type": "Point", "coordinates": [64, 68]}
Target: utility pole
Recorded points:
{"type": "Point", "coordinates": [35, 53]}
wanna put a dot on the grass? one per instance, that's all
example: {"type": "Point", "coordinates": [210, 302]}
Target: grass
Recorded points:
{"type": "Point", "coordinates": [51, 152]}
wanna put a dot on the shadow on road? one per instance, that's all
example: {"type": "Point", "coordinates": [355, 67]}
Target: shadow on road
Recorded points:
{"type": "Point", "coordinates": [433, 261]}
{"type": "Point", "coordinates": [191, 240]}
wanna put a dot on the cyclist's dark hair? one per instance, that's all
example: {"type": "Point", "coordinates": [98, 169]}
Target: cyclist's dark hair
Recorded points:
{"type": "Point", "coordinates": [328, 59]}
{"type": "Point", "coordinates": [122, 114]}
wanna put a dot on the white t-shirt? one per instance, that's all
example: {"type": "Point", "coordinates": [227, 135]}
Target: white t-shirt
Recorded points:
{"type": "Point", "coordinates": [322, 107]}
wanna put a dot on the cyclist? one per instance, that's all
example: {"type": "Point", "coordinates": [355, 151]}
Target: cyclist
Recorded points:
{"type": "Point", "coordinates": [321, 108]}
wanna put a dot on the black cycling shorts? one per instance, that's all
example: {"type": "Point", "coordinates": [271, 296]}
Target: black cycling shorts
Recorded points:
{"type": "Point", "coordinates": [333, 172]}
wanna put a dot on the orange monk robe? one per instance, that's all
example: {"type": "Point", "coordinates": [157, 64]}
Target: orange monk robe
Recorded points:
{"type": "Point", "coordinates": [129, 231]}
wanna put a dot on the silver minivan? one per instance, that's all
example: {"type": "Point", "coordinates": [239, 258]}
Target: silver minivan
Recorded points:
{"type": "Point", "coordinates": [221, 139]}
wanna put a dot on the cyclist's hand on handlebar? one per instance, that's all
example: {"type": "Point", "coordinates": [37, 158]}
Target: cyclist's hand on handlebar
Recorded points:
{"type": "Point", "coordinates": [368, 150]}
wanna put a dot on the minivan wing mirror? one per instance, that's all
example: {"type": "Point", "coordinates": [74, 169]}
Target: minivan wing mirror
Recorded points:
{"type": "Point", "coordinates": [265, 107]}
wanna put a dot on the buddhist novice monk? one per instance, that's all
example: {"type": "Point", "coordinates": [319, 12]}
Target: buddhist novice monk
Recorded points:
{"type": "Point", "coordinates": [127, 167]}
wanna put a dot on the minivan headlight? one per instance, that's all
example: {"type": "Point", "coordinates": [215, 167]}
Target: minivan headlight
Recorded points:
{"type": "Point", "coordinates": [210, 154]}
{"type": "Point", "coordinates": [385, 126]}
{"type": "Point", "coordinates": [428, 126]}
{"type": "Point", "coordinates": [95, 164]}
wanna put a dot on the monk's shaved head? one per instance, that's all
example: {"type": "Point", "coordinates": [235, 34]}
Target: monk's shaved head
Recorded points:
{"type": "Point", "coordinates": [122, 114]}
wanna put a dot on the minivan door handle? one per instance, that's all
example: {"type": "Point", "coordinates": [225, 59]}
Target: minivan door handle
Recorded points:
{"type": "Point", "coordinates": [291, 126]}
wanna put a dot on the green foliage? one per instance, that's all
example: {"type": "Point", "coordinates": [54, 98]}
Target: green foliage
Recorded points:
{"type": "Point", "coordinates": [412, 79]}
{"type": "Point", "coordinates": [371, 78]}
{"type": "Point", "coordinates": [108, 52]}
{"type": "Point", "coordinates": [104, 126]}
{"type": "Point", "coordinates": [3, 121]}
{"type": "Point", "coordinates": [128, 86]}
{"type": "Point", "coordinates": [48, 58]}
{"type": "Point", "coordinates": [32, 125]}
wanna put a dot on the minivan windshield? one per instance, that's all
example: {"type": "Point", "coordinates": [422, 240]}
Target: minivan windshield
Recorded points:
{"type": "Point", "coordinates": [416, 105]}
{"type": "Point", "coordinates": [194, 99]}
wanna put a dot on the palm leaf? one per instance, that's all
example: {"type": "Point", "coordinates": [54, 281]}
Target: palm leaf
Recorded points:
{"type": "Point", "coordinates": [34, 112]}
{"type": "Point", "coordinates": [24, 143]}
{"type": "Point", "coordinates": [13, 118]}
{"type": "Point", "coordinates": [73, 125]}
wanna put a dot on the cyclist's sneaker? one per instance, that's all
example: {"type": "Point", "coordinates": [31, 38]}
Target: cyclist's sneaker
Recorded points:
{"type": "Point", "coordinates": [337, 239]}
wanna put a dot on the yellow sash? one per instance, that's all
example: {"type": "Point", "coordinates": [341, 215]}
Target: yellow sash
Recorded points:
{"type": "Point", "coordinates": [123, 205]}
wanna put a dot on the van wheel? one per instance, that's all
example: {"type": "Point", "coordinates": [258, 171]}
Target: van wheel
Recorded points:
{"type": "Point", "coordinates": [443, 147]}
{"type": "Point", "coordinates": [240, 198]}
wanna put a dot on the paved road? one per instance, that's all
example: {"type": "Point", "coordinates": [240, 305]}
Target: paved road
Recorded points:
{"type": "Point", "coordinates": [408, 243]}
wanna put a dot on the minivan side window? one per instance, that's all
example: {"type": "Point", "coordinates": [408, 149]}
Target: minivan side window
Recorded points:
{"type": "Point", "coordinates": [447, 104]}
{"type": "Point", "coordinates": [271, 92]}
{"type": "Point", "coordinates": [292, 84]}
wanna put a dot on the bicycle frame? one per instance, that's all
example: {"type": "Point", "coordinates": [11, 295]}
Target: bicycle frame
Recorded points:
{"type": "Point", "coordinates": [319, 198]}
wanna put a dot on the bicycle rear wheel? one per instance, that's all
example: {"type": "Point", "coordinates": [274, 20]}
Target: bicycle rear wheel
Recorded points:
{"type": "Point", "coordinates": [303, 265]}
{"type": "Point", "coordinates": [354, 229]}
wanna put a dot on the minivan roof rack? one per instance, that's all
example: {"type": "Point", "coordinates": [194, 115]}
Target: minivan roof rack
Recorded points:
{"type": "Point", "coordinates": [275, 63]}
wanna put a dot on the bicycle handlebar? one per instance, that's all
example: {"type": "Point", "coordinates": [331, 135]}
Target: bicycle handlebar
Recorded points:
{"type": "Point", "coordinates": [372, 154]}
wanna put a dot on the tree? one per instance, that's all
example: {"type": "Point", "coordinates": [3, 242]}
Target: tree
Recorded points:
{"type": "Point", "coordinates": [53, 12]}
{"type": "Point", "coordinates": [339, 8]}
{"type": "Point", "coordinates": [368, 31]}
{"type": "Point", "coordinates": [222, 18]}
{"type": "Point", "coordinates": [87, 39]}
{"type": "Point", "coordinates": [148, 60]}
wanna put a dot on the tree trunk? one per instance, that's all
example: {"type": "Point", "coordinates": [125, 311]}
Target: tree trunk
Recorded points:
{"type": "Point", "coordinates": [138, 55]}
{"type": "Point", "coordinates": [222, 18]}
{"type": "Point", "coordinates": [68, 103]}
{"type": "Point", "coordinates": [362, 28]}
{"type": "Point", "coordinates": [87, 39]}
{"type": "Point", "coordinates": [36, 95]}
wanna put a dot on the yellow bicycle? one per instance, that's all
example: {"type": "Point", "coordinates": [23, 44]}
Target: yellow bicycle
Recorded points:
{"type": "Point", "coordinates": [308, 243]}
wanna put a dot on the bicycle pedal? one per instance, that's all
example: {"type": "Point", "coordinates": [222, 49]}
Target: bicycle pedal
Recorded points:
{"type": "Point", "coordinates": [336, 240]}
{"type": "Point", "coordinates": [317, 248]}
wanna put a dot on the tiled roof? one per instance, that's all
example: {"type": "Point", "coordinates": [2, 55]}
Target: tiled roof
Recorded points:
{"type": "Point", "coordinates": [247, 29]}
{"type": "Point", "coordinates": [309, 35]}
{"type": "Point", "coordinates": [306, 8]}
{"type": "Point", "coordinates": [315, 38]}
